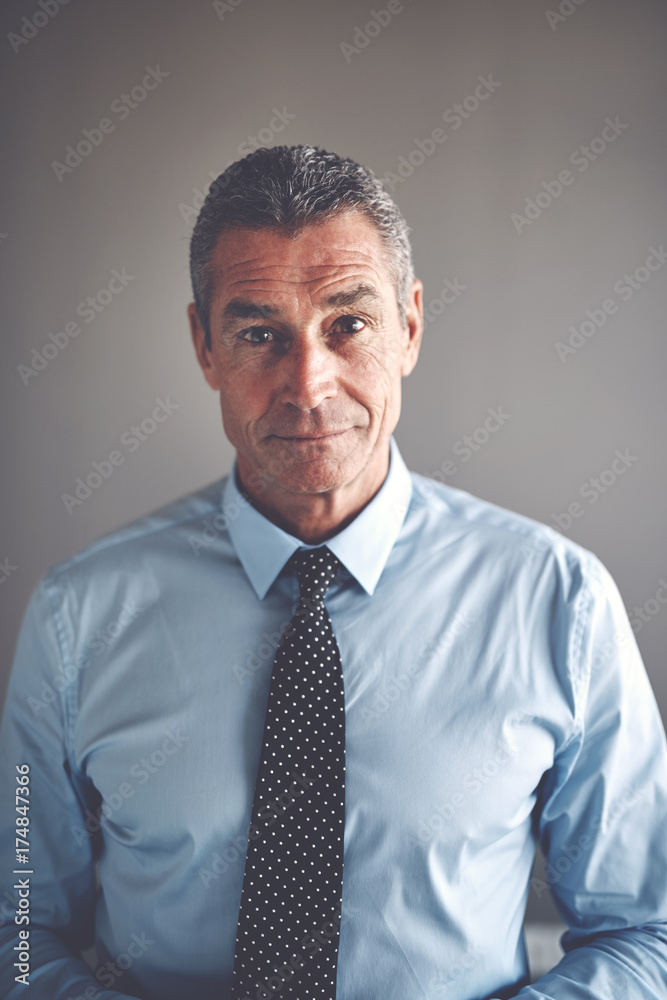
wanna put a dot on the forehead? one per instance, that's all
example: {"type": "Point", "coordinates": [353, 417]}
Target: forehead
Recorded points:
{"type": "Point", "coordinates": [346, 247]}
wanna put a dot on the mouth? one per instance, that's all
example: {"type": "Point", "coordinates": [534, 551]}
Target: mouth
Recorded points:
{"type": "Point", "coordinates": [311, 437]}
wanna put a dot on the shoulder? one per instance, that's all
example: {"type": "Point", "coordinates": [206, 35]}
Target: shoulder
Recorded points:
{"type": "Point", "coordinates": [129, 545]}
{"type": "Point", "coordinates": [104, 588]}
{"type": "Point", "coordinates": [446, 515]}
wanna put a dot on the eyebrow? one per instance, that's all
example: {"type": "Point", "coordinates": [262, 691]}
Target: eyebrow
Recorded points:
{"type": "Point", "coordinates": [352, 296]}
{"type": "Point", "coordinates": [247, 309]}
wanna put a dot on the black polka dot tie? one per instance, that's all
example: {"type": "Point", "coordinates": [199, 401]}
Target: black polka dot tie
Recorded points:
{"type": "Point", "coordinates": [289, 921]}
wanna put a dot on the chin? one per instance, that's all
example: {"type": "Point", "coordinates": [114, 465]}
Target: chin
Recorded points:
{"type": "Point", "coordinates": [316, 467]}
{"type": "Point", "coordinates": [316, 477]}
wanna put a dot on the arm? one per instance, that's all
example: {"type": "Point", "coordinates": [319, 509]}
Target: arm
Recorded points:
{"type": "Point", "coordinates": [62, 888]}
{"type": "Point", "coordinates": [603, 816]}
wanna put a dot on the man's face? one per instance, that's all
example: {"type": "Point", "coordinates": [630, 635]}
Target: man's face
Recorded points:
{"type": "Point", "coordinates": [308, 351]}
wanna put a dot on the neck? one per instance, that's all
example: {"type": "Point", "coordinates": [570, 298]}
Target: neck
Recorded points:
{"type": "Point", "coordinates": [316, 517]}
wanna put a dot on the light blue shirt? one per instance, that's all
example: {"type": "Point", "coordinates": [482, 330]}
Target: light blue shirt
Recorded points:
{"type": "Point", "coordinates": [494, 695]}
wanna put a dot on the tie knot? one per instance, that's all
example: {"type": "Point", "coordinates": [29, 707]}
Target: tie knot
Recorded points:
{"type": "Point", "coordinates": [315, 570]}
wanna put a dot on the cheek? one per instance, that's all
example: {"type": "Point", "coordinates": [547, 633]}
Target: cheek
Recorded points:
{"type": "Point", "coordinates": [246, 396]}
{"type": "Point", "coordinates": [236, 401]}
{"type": "Point", "coordinates": [375, 374]}
{"type": "Point", "coordinates": [376, 363]}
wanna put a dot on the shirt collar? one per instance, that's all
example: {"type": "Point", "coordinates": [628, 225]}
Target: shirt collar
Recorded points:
{"type": "Point", "coordinates": [363, 546]}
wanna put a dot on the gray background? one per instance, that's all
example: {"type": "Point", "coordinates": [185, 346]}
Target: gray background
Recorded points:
{"type": "Point", "coordinates": [129, 205]}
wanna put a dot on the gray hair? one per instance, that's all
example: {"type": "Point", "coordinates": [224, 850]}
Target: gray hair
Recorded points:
{"type": "Point", "coordinates": [287, 188]}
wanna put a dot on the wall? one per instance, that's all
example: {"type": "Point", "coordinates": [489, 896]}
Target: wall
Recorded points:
{"type": "Point", "coordinates": [510, 286]}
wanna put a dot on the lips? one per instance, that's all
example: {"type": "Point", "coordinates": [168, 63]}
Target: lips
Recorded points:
{"type": "Point", "coordinates": [309, 437]}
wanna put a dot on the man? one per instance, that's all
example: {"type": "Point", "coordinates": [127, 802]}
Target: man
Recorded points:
{"type": "Point", "coordinates": [310, 721]}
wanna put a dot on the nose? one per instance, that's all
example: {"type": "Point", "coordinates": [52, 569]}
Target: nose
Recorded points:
{"type": "Point", "coordinates": [309, 369]}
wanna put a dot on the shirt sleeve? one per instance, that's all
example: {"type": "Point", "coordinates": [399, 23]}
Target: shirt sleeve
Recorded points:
{"type": "Point", "coordinates": [59, 880]}
{"type": "Point", "coordinates": [603, 814]}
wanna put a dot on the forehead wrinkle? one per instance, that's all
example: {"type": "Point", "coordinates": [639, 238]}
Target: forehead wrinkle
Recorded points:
{"type": "Point", "coordinates": [302, 254]}
{"type": "Point", "coordinates": [274, 285]}
{"type": "Point", "coordinates": [250, 307]}
{"type": "Point", "coordinates": [315, 269]}
{"type": "Point", "coordinates": [248, 300]}
{"type": "Point", "coordinates": [256, 277]}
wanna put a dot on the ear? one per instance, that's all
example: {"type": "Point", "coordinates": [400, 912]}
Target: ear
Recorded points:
{"type": "Point", "coordinates": [204, 354]}
{"type": "Point", "coordinates": [414, 319]}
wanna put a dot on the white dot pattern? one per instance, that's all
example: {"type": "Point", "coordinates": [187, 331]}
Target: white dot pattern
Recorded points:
{"type": "Point", "coordinates": [293, 882]}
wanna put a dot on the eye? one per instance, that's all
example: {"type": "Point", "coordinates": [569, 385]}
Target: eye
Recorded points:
{"type": "Point", "coordinates": [350, 324]}
{"type": "Point", "coordinates": [256, 335]}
